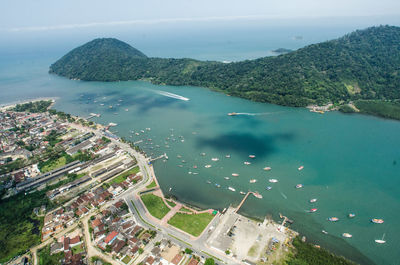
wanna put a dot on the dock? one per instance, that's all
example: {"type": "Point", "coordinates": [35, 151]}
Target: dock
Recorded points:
{"type": "Point", "coordinates": [92, 115]}
{"type": "Point", "coordinates": [244, 199]}
{"type": "Point", "coordinates": [158, 157]}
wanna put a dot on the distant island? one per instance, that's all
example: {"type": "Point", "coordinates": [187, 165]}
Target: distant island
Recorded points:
{"type": "Point", "coordinates": [358, 72]}
{"type": "Point", "coordinates": [281, 50]}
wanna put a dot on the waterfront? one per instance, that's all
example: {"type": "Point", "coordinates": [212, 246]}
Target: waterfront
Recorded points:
{"type": "Point", "coordinates": [346, 158]}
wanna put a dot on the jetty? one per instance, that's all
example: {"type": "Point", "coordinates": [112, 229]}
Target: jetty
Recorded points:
{"type": "Point", "coordinates": [92, 115]}
{"type": "Point", "coordinates": [244, 199]}
{"type": "Point", "coordinates": [151, 159]}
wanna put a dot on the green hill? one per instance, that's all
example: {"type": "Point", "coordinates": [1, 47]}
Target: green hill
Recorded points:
{"type": "Point", "coordinates": [362, 65]}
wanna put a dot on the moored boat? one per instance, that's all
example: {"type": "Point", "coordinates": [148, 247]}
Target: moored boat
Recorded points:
{"type": "Point", "coordinates": [381, 241]}
{"type": "Point", "coordinates": [207, 166]}
{"type": "Point", "coordinates": [252, 156]}
{"type": "Point", "coordinates": [299, 186]}
{"type": "Point", "coordinates": [301, 168]}
{"type": "Point", "coordinates": [217, 185]}
{"type": "Point", "coordinates": [323, 231]}
{"type": "Point", "coordinates": [246, 163]}
{"type": "Point", "coordinates": [253, 181]}
{"type": "Point", "coordinates": [257, 195]}
{"type": "Point", "coordinates": [226, 178]}
{"type": "Point", "coordinates": [215, 159]}
{"type": "Point", "coordinates": [347, 235]}
{"type": "Point", "coordinates": [267, 168]}
{"type": "Point", "coordinates": [333, 219]}
{"type": "Point", "coordinates": [352, 215]}
{"type": "Point", "coordinates": [268, 188]}
{"type": "Point", "coordinates": [377, 221]}
{"type": "Point", "coordinates": [242, 192]}
{"type": "Point", "coordinates": [273, 180]}
{"type": "Point", "coordinates": [231, 189]}
{"type": "Point", "coordinates": [313, 200]}
{"type": "Point", "coordinates": [235, 174]}
{"type": "Point", "coordinates": [313, 210]}
{"type": "Point", "coordinates": [228, 156]}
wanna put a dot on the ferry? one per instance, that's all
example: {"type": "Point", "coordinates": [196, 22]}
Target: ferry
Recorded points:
{"type": "Point", "coordinates": [267, 168]}
{"type": "Point", "coordinates": [253, 181]}
{"type": "Point", "coordinates": [273, 180]}
{"type": "Point", "coordinates": [299, 186]}
{"type": "Point", "coordinates": [242, 192]}
{"type": "Point", "coordinates": [227, 178]}
{"type": "Point", "coordinates": [313, 200]}
{"type": "Point", "coordinates": [377, 221]}
{"type": "Point", "coordinates": [231, 189]}
{"type": "Point", "coordinates": [352, 215]}
{"type": "Point", "coordinates": [301, 168]}
{"type": "Point", "coordinates": [246, 163]}
{"type": "Point", "coordinates": [252, 156]}
{"type": "Point", "coordinates": [232, 114]}
{"type": "Point", "coordinates": [235, 174]}
{"type": "Point", "coordinates": [268, 188]}
{"type": "Point", "coordinates": [215, 159]}
{"type": "Point", "coordinates": [333, 219]}
{"type": "Point", "coordinates": [217, 185]}
{"type": "Point", "coordinates": [347, 235]}
{"type": "Point", "coordinates": [228, 156]}
{"type": "Point", "coordinates": [257, 195]}
{"type": "Point", "coordinates": [207, 166]}
{"type": "Point", "coordinates": [313, 210]}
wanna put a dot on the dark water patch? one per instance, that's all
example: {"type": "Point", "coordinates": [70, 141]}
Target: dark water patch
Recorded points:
{"type": "Point", "coordinates": [262, 146]}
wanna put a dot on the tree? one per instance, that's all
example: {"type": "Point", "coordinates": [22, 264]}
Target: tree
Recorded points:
{"type": "Point", "coordinates": [209, 261]}
{"type": "Point", "coordinates": [188, 251]}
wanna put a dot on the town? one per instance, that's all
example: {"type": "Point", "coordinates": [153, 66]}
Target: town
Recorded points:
{"type": "Point", "coordinates": [94, 199]}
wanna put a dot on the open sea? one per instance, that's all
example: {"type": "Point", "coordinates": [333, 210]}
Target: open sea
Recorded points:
{"type": "Point", "coordinates": [351, 162]}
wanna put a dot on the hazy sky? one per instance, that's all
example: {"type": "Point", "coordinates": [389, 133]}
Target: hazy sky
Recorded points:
{"type": "Point", "coordinates": [41, 15]}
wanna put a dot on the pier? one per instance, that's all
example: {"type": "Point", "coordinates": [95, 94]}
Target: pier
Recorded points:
{"type": "Point", "coordinates": [158, 157]}
{"type": "Point", "coordinates": [92, 115]}
{"type": "Point", "coordinates": [244, 199]}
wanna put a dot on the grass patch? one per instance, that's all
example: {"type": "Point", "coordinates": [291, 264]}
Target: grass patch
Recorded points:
{"type": "Point", "coordinates": [54, 164]}
{"type": "Point", "coordinates": [385, 109]}
{"type": "Point", "coordinates": [77, 249]}
{"type": "Point", "coordinates": [183, 209]}
{"type": "Point", "coordinates": [45, 258]}
{"type": "Point", "coordinates": [172, 204]}
{"type": "Point", "coordinates": [155, 205]}
{"type": "Point", "coordinates": [123, 176]}
{"type": "Point", "coordinates": [126, 259]}
{"type": "Point", "coordinates": [193, 224]}
{"type": "Point", "coordinates": [151, 185]}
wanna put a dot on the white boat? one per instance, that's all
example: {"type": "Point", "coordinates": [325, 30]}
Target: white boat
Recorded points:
{"type": "Point", "coordinates": [235, 174]}
{"type": "Point", "coordinates": [202, 154]}
{"type": "Point", "coordinates": [299, 186]}
{"type": "Point", "coordinates": [301, 168]}
{"type": "Point", "coordinates": [253, 181]}
{"type": "Point", "coordinates": [231, 189]}
{"type": "Point", "coordinates": [252, 156]}
{"type": "Point", "coordinates": [242, 192]}
{"type": "Point", "coordinates": [347, 235]}
{"type": "Point", "coordinates": [228, 156]}
{"type": "Point", "coordinates": [227, 178]}
{"type": "Point", "coordinates": [247, 163]}
{"type": "Point", "coordinates": [217, 185]}
{"type": "Point", "coordinates": [381, 241]}
{"type": "Point", "coordinates": [313, 200]}
{"type": "Point", "coordinates": [273, 180]}
{"type": "Point", "coordinates": [323, 231]}
{"type": "Point", "coordinates": [352, 215]}
{"type": "Point", "coordinates": [257, 195]}
{"type": "Point", "coordinates": [207, 166]}
{"type": "Point", "coordinates": [267, 168]}
{"type": "Point", "coordinates": [215, 159]}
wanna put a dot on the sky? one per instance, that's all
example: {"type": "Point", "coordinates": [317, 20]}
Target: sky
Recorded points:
{"type": "Point", "coordinates": [44, 15]}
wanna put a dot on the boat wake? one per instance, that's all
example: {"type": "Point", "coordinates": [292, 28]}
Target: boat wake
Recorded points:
{"type": "Point", "coordinates": [257, 114]}
{"type": "Point", "coordinates": [171, 95]}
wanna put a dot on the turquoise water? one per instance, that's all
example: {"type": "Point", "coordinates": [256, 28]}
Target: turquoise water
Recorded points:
{"type": "Point", "coordinates": [351, 162]}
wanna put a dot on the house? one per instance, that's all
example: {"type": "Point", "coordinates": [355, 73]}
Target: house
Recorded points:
{"type": "Point", "coordinates": [111, 237]}
{"type": "Point", "coordinates": [177, 259]}
{"type": "Point", "coordinates": [74, 241]}
{"type": "Point", "coordinates": [193, 262]}
{"type": "Point", "coordinates": [56, 247]}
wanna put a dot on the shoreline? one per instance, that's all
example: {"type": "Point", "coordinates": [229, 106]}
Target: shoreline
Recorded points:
{"type": "Point", "coordinates": [5, 106]}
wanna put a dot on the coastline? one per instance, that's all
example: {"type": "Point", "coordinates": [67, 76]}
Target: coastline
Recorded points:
{"type": "Point", "coordinates": [5, 106]}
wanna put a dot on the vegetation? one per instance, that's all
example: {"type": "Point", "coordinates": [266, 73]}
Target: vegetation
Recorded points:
{"type": "Point", "coordinates": [77, 249]}
{"type": "Point", "coordinates": [361, 65]}
{"type": "Point", "coordinates": [155, 205]}
{"type": "Point", "coordinates": [46, 259]}
{"type": "Point", "coordinates": [14, 165]}
{"type": "Point", "coordinates": [126, 259]}
{"type": "Point", "coordinates": [346, 109]}
{"type": "Point", "coordinates": [151, 185]}
{"type": "Point", "coordinates": [123, 176]}
{"type": "Point", "coordinates": [95, 258]}
{"type": "Point", "coordinates": [188, 251]}
{"type": "Point", "coordinates": [172, 204]}
{"type": "Point", "coordinates": [193, 224]}
{"type": "Point", "coordinates": [209, 261]}
{"type": "Point", "coordinates": [34, 107]}
{"type": "Point", "coordinates": [385, 109]}
{"type": "Point", "coordinates": [306, 253]}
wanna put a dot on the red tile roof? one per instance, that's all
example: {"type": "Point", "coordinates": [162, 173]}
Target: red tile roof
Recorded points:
{"type": "Point", "coordinates": [176, 259]}
{"type": "Point", "coordinates": [75, 240]}
{"type": "Point", "coordinates": [110, 236]}
{"type": "Point", "coordinates": [193, 262]}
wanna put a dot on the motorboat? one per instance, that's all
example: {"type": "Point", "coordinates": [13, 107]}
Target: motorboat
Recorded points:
{"type": "Point", "coordinates": [347, 235]}
{"type": "Point", "coordinates": [253, 181]}
{"type": "Point", "coordinates": [377, 221]}
{"type": "Point", "coordinates": [313, 200]}
{"type": "Point", "coordinates": [352, 215]}
{"type": "Point", "coordinates": [268, 188]}
{"type": "Point", "coordinates": [299, 186]}
{"type": "Point", "coordinates": [208, 182]}
{"type": "Point", "coordinates": [227, 178]}
{"type": "Point", "coordinates": [301, 168]}
{"type": "Point", "coordinates": [232, 114]}
{"type": "Point", "coordinates": [313, 210]}
{"type": "Point", "coordinates": [246, 163]}
{"type": "Point", "coordinates": [252, 156]}
{"type": "Point", "coordinates": [273, 180]}
{"type": "Point", "coordinates": [323, 231]}
{"type": "Point", "coordinates": [207, 166]}
{"type": "Point", "coordinates": [215, 159]}
{"type": "Point", "coordinates": [231, 189]}
{"type": "Point", "coordinates": [333, 219]}
{"type": "Point", "coordinates": [242, 192]}
{"type": "Point", "coordinates": [267, 168]}
{"type": "Point", "coordinates": [235, 174]}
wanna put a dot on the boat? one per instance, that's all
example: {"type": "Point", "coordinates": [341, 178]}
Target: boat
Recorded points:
{"type": "Point", "coordinates": [207, 166]}
{"type": "Point", "coordinates": [377, 221]}
{"type": "Point", "coordinates": [352, 215]}
{"type": "Point", "coordinates": [313, 200]}
{"type": "Point", "coordinates": [333, 219]}
{"type": "Point", "coordinates": [208, 182]}
{"type": "Point", "coordinates": [232, 114]}
{"type": "Point", "coordinates": [102, 104]}
{"type": "Point", "coordinates": [268, 188]}
{"type": "Point", "coordinates": [228, 156]}
{"type": "Point", "coordinates": [301, 168]}
{"type": "Point", "coordinates": [246, 163]}
{"type": "Point", "coordinates": [179, 156]}
{"type": "Point", "coordinates": [195, 173]}
{"type": "Point", "coordinates": [252, 156]}
{"type": "Point", "coordinates": [148, 129]}
{"type": "Point", "coordinates": [267, 168]}
{"type": "Point", "coordinates": [257, 195]}
{"type": "Point", "coordinates": [235, 174]}
{"type": "Point", "coordinates": [231, 189]}
{"type": "Point", "coordinates": [215, 159]}
{"type": "Point", "coordinates": [313, 210]}
{"type": "Point", "coordinates": [381, 241]}
{"type": "Point", "coordinates": [226, 178]}
{"type": "Point", "coordinates": [253, 181]}
{"type": "Point", "coordinates": [126, 109]}
{"type": "Point", "coordinates": [347, 235]}
{"type": "Point", "coordinates": [183, 161]}
{"type": "Point", "coordinates": [194, 166]}
{"type": "Point", "coordinates": [242, 192]}
{"type": "Point", "coordinates": [180, 165]}
{"type": "Point", "coordinates": [217, 185]}
{"type": "Point", "coordinates": [323, 231]}
{"type": "Point", "coordinates": [299, 186]}
{"type": "Point", "coordinates": [202, 154]}
{"type": "Point", "coordinates": [273, 180]}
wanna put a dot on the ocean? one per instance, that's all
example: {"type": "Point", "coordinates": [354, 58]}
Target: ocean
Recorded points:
{"type": "Point", "coordinates": [351, 162]}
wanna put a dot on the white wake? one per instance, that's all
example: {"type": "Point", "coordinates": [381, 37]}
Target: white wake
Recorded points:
{"type": "Point", "coordinates": [171, 95]}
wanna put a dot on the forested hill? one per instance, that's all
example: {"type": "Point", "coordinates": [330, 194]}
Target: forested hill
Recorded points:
{"type": "Point", "coordinates": [364, 64]}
